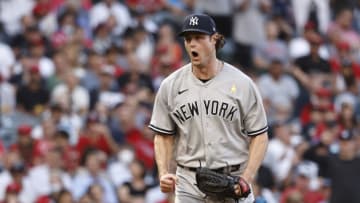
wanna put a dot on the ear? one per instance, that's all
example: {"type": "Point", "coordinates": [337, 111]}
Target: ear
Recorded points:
{"type": "Point", "coordinates": [213, 39]}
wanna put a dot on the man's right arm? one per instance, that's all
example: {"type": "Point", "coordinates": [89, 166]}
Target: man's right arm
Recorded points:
{"type": "Point", "coordinates": [163, 152]}
{"type": "Point", "coordinates": [163, 145]}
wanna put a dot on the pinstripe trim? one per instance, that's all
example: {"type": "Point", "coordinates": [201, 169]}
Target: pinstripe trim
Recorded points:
{"type": "Point", "coordinates": [257, 132]}
{"type": "Point", "coordinates": [160, 130]}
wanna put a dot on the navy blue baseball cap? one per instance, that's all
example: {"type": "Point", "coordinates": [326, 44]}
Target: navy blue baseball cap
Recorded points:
{"type": "Point", "coordinates": [198, 23]}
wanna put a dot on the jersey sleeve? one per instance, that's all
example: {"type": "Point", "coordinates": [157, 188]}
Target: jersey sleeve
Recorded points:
{"type": "Point", "coordinates": [255, 117]}
{"type": "Point", "coordinates": [161, 121]}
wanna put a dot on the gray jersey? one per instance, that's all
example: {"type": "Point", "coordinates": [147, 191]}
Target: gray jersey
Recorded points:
{"type": "Point", "coordinates": [212, 121]}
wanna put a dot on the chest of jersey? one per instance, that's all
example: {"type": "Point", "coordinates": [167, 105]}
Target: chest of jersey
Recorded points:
{"type": "Point", "coordinates": [217, 103]}
{"type": "Point", "coordinates": [209, 119]}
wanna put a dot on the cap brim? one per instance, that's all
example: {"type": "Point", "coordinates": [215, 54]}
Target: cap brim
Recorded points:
{"type": "Point", "coordinates": [181, 34]}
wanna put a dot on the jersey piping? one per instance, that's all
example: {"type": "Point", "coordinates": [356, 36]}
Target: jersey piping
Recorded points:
{"type": "Point", "coordinates": [257, 132]}
{"type": "Point", "coordinates": [160, 130]}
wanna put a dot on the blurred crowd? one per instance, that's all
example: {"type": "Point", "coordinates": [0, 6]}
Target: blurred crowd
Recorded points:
{"type": "Point", "coordinates": [78, 79]}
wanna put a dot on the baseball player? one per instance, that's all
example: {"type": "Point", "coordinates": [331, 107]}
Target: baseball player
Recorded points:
{"type": "Point", "coordinates": [209, 114]}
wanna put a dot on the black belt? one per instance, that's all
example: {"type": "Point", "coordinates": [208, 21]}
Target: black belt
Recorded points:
{"type": "Point", "coordinates": [225, 169]}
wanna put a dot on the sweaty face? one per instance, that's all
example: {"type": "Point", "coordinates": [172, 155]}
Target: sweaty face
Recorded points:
{"type": "Point", "coordinates": [200, 48]}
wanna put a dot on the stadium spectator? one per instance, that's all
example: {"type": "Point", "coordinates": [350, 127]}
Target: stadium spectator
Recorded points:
{"type": "Point", "coordinates": [7, 97]}
{"type": "Point", "coordinates": [301, 190]}
{"type": "Point", "coordinates": [136, 189]}
{"type": "Point", "coordinates": [33, 97]}
{"type": "Point", "coordinates": [345, 163]}
{"type": "Point", "coordinates": [71, 96]}
{"type": "Point", "coordinates": [279, 91]}
{"type": "Point", "coordinates": [92, 173]}
{"type": "Point", "coordinates": [317, 10]}
{"type": "Point", "coordinates": [63, 60]}
{"type": "Point", "coordinates": [341, 30]}
{"type": "Point", "coordinates": [280, 156]}
{"type": "Point", "coordinates": [271, 48]}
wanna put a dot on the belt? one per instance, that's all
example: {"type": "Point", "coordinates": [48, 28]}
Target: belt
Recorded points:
{"type": "Point", "coordinates": [225, 169]}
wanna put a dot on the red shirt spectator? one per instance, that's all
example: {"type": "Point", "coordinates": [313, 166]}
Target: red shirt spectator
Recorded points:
{"type": "Point", "coordinates": [41, 148]}
{"type": "Point", "coordinates": [11, 193]}
{"type": "Point", "coordinates": [24, 144]}
{"type": "Point", "coordinates": [144, 148]}
{"type": "Point", "coordinates": [98, 141]}
{"type": "Point", "coordinates": [13, 187]}
{"type": "Point", "coordinates": [307, 196]}
{"type": "Point", "coordinates": [96, 135]}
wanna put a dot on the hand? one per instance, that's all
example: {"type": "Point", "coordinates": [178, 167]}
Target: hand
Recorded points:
{"type": "Point", "coordinates": [237, 189]}
{"type": "Point", "coordinates": [167, 183]}
{"type": "Point", "coordinates": [242, 188]}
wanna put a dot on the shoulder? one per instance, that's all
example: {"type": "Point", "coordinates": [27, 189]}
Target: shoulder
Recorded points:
{"type": "Point", "coordinates": [229, 68]}
{"type": "Point", "coordinates": [235, 75]}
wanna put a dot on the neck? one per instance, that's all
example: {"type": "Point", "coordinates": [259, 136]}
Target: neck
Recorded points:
{"type": "Point", "coordinates": [276, 77]}
{"type": "Point", "coordinates": [206, 72]}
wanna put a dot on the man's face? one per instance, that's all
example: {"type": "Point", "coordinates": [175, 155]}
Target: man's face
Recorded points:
{"type": "Point", "coordinates": [200, 48]}
{"type": "Point", "coordinates": [276, 69]}
{"type": "Point", "coordinates": [345, 18]}
{"type": "Point", "coordinates": [348, 147]}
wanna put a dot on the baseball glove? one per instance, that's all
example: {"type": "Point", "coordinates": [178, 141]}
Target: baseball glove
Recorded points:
{"type": "Point", "coordinates": [219, 185]}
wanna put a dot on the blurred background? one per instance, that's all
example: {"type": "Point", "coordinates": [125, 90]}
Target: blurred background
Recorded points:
{"type": "Point", "coordinates": [78, 80]}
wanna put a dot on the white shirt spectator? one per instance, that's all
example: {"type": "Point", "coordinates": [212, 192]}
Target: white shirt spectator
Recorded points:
{"type": "Point", "coordinates": [11, 13]}
{"type": "Point", "coordinates": [111, 99]}
{"type": "Point", "coordinates": [39, 182]}
{"type": "Point", "coordinates": [148, 24]}
{"type": "Point", "coordinates": [280, 92]}
{"type": "Point", "coordinates": [345, 98]}
{"type": "Point", "coordinates": [302, 10]}
{"type": "Point", "coordinates": [77, 100]}
{"type": "Point", "coordinates": [144, 52]}
{"type": "Point", "coordinates": [83, 179]}
{"type": "Point", "coordinates": [121, 166]}
{"type": "Point", "coordinates": [272, 49]}
{"type": "Point", "coordinates": [7, 98]}
{"type": "Point", "coordinates": [249, 24]}
{"type": "Point", "coordinates": [299, 47]}
{"type": "Point", "coordinates": [5, 180]}
{"type": "Point", "coordinates": [278, 158]}
{"type": "Point", "coordinates": [73, 123]}
{"type": "Point", "coordinates": [154, 195]}
{"type": "Point", "coordinates": [269, 195]}
{"type": "Point", "coordinates": [7, 59]}
{"type": "Point", "coordinates": [47, 67]}
{"type": "Point", "coordinates": [280, 95]}
{"type": "Point", "coordinates": [309, 169]}
{"type": "Point", "coordinates": [117, 168]}
{"type": "Point", "coordinates": [101, 12]}
{"type": "Point", "coordinates": [48, 24]}
{"type": "Point", "coordinates": [27, 194]}
{"type": "Point", "coordinates": [216, 7]}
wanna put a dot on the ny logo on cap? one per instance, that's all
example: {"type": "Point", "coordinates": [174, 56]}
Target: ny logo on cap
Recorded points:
{"type": "Point", "coordinates": [194, 21]}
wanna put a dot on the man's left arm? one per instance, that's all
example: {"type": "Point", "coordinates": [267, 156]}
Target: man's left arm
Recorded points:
{"type": "Point", "coordinates": [257, 149]}
{"type": "Point", "coordinates": [256, 126]}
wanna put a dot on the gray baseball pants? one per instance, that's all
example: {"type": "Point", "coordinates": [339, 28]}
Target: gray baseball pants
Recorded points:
{"type": "Point", "coordinates": [187, 192]}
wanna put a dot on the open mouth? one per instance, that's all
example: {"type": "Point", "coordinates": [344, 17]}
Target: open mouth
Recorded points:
{"type": "Point", "coordinates": [194, 54]}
